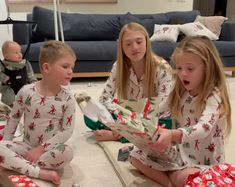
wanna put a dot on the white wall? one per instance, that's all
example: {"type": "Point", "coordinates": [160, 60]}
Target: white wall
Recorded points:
{"type": "Point", "coordinates": [19, 12]}
{"type": "Point", "coordinates": [5, 30]}
{"type": "Point", "coordinates": [122, 6]}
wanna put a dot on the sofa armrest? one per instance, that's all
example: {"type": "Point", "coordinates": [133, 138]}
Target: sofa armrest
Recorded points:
{"type": "Point", "coordinates": [228, 31]}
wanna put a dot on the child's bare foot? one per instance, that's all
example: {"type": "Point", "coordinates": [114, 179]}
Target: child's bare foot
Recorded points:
{"type": "Point", "coordinates": [106, 135]}
{"type": "Point", "coordinates": [50, 175]}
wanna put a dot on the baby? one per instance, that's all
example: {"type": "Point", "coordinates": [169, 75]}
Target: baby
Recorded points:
{"type": "Point", "coordinates": [14, 72]}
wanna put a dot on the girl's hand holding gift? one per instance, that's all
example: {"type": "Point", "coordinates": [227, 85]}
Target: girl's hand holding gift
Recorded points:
{"type": "Point", "coordinates": [163, 141]}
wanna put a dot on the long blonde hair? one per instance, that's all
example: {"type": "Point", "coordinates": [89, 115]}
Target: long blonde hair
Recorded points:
{"type": "Point", "coordinates": [123, 63]}
{"type": "Point", "coordinates": [214, 77]}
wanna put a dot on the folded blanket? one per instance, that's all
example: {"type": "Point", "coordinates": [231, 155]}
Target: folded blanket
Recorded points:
{"type": "Point", "coordinates": [128, 175]}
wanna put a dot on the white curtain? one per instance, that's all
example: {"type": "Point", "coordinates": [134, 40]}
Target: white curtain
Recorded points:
{"type": "Point", "coordinates": [5, 30]}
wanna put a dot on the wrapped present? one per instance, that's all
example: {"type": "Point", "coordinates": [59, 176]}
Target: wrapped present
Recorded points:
{"type": "Point", "coordinates": [215, 176]}
{"type": "Point", "coordinates": [94, 110]}
{"type": "Point", "coordinates": [22, 181]}
{"type": "Point", "coordinates": [140, 117]}
{"type": "Point", "coordinates": [138, 122]}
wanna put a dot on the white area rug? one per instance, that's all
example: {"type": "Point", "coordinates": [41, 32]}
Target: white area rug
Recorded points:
{"type": "Point", "coordinates": [95, 165]}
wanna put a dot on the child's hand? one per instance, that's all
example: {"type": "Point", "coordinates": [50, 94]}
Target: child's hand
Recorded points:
{"type": "Point", "coordinates": [106, 135]}
{"type": "Point", "coordinates": [163, 142]}
{"type": "Point", "coordinates": [34, 154]}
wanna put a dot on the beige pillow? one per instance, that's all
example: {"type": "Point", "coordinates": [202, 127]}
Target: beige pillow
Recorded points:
{"type": "Point", "coordinates": [165, 33]}
{"type": "Point", "coordinates": [213, 23]}
{"type": "Point", "coordinates": [197, 28]}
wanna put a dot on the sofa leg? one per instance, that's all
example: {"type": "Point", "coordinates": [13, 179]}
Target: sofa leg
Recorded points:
{"type": "Point", "coordinates": [233, 73]}
{"type": "Point", "coordinates": [230, 69]}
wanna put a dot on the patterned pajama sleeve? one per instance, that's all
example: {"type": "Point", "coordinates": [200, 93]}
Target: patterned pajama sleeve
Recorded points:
{"type": "Point", "coordinates": [30, 73]}
{"type": "Point", "coordinates": [109, 91]}
{"type": "Point", "coordinates": [165, 85]}
{"type": "Point", "coordinates": [164, 78]}
{"type": "Point", "coordinates": [206, 122]}
{"type": "Point", "coordinates": [14, 118]}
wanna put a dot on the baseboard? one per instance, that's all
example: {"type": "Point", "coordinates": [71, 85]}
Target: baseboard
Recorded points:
{"type": "Point", "coordinates": [232, 69]}
{"type": "Point", "coordinates": [83, 75]}
{"type": "Point", "coordinates": [106, 74]}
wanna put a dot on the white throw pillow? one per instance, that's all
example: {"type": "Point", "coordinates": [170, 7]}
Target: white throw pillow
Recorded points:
{"type": "Point", "coordinates": [165, 33]}
{"type": "Point", "coordinates": [196, 28]}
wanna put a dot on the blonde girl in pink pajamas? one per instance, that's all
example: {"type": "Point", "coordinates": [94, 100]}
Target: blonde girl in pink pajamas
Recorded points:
{"type": "Point", "coordinates": [48, 111]}
{"type": "Point", "coordinates": [200, 108]}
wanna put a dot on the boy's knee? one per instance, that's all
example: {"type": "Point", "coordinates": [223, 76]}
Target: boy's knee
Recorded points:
{"type": "Point", "coordinates": [177, 178]}
{"type": "Point", "coordinates": [68, 155]}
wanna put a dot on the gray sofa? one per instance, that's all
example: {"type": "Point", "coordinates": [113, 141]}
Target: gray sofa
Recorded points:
{"type": "Point", "coordinates": [94, 37]}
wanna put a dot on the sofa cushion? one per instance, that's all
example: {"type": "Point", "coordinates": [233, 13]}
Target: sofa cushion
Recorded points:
{"type": "Point", "coordinates": [78, 26]}
{"type": "Point", "coordinates": [92, 50]}
{"type": "Point", "coordinates": [165, 33]}
{"type": "Point", "coordinates": [91, 26]}
{"type": "Point", "coordinates": [44, 19]}
{"type": "Point", "coordinates": [225, 48]}
{"type": "Point", "coordinates": [183, 16]}
{"type": "Point", "coordinates": [85, 50]}
{"type": "Point", "coordinates": [160, 18]}
{"type": "Point", "coordinates": [147, 23]}
{"type": "Point", "coordinates": [164, 48]}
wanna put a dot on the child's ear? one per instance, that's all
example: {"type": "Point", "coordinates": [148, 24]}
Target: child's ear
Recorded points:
{"type": "Point", "coordinates": [6, 56]}
{"type": "Point", "coordinates": [45, 67]}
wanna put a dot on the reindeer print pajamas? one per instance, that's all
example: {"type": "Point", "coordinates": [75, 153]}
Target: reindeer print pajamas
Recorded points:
{"type": "Point", "coordinates": [202, 134]}
{"type": "Point", "coordinates": [48, 121]}
{"type": "Point", "coordinates": [135, 87]}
